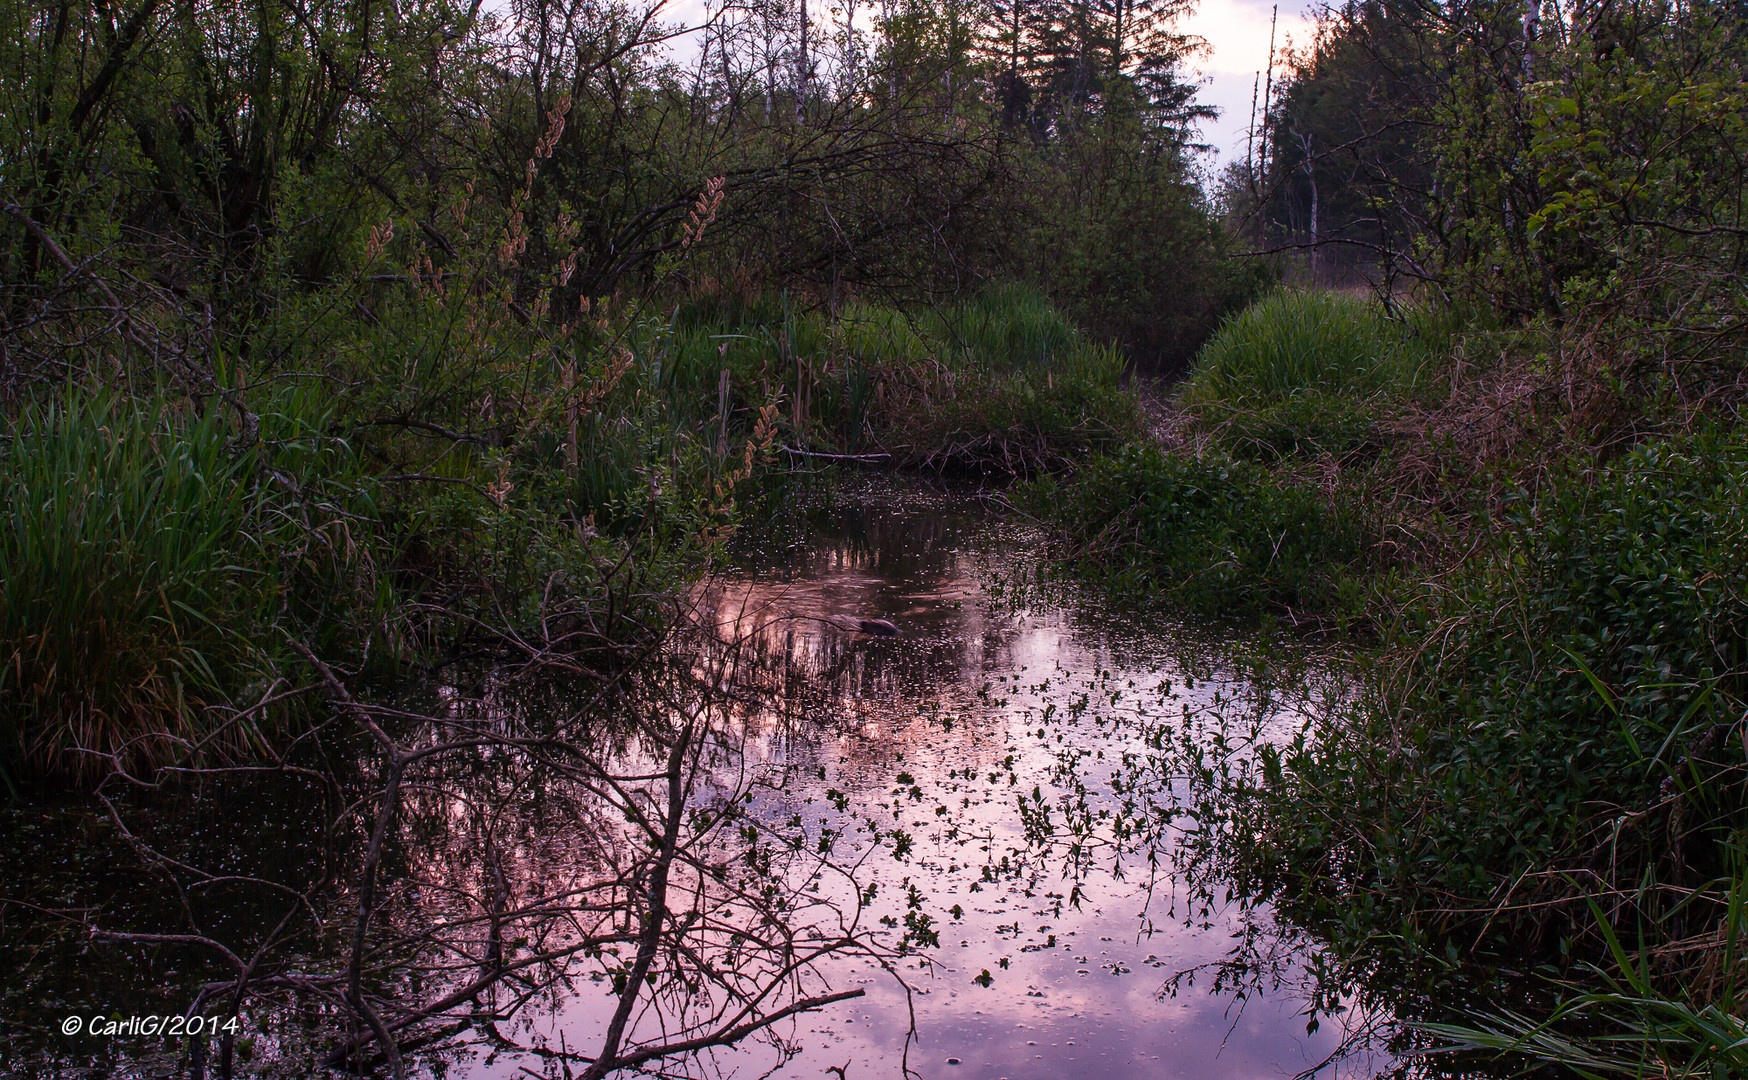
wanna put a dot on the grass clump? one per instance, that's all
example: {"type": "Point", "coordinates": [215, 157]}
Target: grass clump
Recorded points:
{"type": "Point", "coordinates": [1303, 375]}
{"type": "Point", "coordinates": [1210, 533]}
{"type": "Point", "coordinates": [1295, 342]}
{"type": "Point", "coordinates": [1000, 383]}
{"type": "Point", "coordinates": [132, 580]}
{"type": "Point", "coordinates": [1628, 1026]}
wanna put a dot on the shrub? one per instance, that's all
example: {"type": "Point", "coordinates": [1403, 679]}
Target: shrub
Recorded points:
{"type": "Point", "coordinates": [1568, 731]}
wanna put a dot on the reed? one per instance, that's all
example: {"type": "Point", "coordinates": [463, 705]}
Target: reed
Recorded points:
{"type": "Point", "coordinates": [1211, 534]}
{"type": "Point", "coordinates": [131, 584]}
{"type": "Point", "coordinates": [1627, 1023]}
{"type": "Point", "coordinates": [1296, 342]}
{"type": "Point", "coordinates": [1000, 382]}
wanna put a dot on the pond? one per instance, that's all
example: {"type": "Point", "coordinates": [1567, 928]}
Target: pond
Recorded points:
{"type": "Point", "coordinates": [956, 839]}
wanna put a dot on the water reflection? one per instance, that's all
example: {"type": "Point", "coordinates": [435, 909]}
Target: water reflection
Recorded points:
{"type": "Point", "coordinates": [966, 768]}
{"type": "Point", "coordinates": [923, 834]}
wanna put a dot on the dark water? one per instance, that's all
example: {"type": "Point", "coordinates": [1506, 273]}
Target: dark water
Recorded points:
{"type": "Point", "coordinates": [982, 787]}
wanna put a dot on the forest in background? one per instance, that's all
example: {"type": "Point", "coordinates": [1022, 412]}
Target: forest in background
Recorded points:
{"type": "Point", "coordinates": [371, 339]}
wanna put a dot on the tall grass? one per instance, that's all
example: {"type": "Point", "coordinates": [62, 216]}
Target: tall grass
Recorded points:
{"type": "Point", "coordinates": [130, 583]}
{"type": "Point", "coordinates": [1000, 382]}
{"type": "Point", "coordinates": [525, 495]}
{"type": "Point", "coordinates": [1010, 327]}
{"type": "Point", "coordinates": [1631, 1025]}
{"type": "Point", "coordinates": [1210, 533]}
{"type": "Point", "coordinates": [1297, 342]}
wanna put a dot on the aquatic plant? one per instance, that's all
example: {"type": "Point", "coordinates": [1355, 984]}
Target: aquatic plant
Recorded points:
{"type": "Point", "coordinates": [1630, 1023]}
{"type": "Point", "coordinates": [1000, 383]}
{"type": "Point", "coordinates": [1211, 533]}
{"type": "Point", "coordinates": [132, 584]}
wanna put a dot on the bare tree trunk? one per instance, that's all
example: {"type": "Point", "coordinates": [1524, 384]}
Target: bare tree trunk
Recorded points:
{"type": "Point", "coordinates": [803, 69]}
{"type": "Point", "coordinates": [1532, 25]}
{"type": "Point", "coordinates": [1310, 166]}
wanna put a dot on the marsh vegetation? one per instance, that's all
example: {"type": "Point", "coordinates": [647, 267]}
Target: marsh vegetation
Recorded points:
{"type": "Point", "coordinates": [403, 410]}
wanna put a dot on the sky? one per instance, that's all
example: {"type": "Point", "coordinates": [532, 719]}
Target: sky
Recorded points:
{"type": "Point", "coordinates": [1238, 33]}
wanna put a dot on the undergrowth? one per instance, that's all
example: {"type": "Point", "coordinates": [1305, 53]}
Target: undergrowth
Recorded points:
{"type": "Point", "coordinates": [1540, 762]}
{"type": "Point", "coordinates": [459, 482]}
{"type": "Point", "coordinates": [1000, 383]}
{"type": "Point", "coordinates": [1210, 533]}
{"type": "Point", "coordinates": [132, 584]}
{"type": "Point", "coordinates": [1563, 725]}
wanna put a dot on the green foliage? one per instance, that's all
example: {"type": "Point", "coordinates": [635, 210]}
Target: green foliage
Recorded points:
{"type": "Point", "coordinates": [1620, 160]}
{"type": "Point", "coordinates": [1580, 173]}
{"type": "Point", "coordinates": [1565, 730]}
{"type": "Point", "coordinates": [1307, 424]}
{"type": "Point", "coordinates": [1000, 383]}
{"type": "Point", "coordinates": [1128, 251]}
{"type": "Point", "coordinates": [1210, 533]}
{"type": "Point", "coordinates": [1334, 131]}
{"type": "Point", "coordinates": [132, 584]}
{"type": "Point", "coordinates": [1012, 326]}
{"type": "Point", "coordinates": [453, 482]}
{"type": "Point", "coordinates": [1629, 1026]}
{"type": "Point", "coordinates": [1295, 342]}
{"type": "Point", "coordinates": [1557, 720]}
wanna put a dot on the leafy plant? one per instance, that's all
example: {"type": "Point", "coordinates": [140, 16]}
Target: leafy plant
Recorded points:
{"type": "Point", "coordinates": [1000, 383]}
{"type": "Point", "coordinates": [1563, 729]}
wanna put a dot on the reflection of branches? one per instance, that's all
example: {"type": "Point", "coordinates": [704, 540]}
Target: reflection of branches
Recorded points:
{"type": "Point", "coordinates": [504, 859]}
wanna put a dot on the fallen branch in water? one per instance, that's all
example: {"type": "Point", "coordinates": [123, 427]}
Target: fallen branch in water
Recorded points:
{"type": "Point", "coordinates": [835, 457]}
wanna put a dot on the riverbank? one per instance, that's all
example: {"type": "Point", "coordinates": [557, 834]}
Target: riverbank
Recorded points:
{"type": "Point", "coordinates": [411, 503]}
{"type": "Point", "coordinates": [934, 832]}
{"type": "Point", "coordinates": [1545, 768]}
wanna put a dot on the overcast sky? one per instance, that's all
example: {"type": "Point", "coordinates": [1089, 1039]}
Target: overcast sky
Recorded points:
{"type": "Point", "coordinates": [1238, 31]}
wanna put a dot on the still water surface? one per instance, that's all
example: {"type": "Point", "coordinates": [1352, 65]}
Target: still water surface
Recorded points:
{"type": "Point", "coordinates": [970, 773]}
{"type": "Point", "coordinates": [995, 708]}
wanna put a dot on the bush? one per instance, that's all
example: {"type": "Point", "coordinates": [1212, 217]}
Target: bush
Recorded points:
{"type": "Point", "coordinates": [1213, 534]}
{"type": "Point", "coordinates": [1568, 731]}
